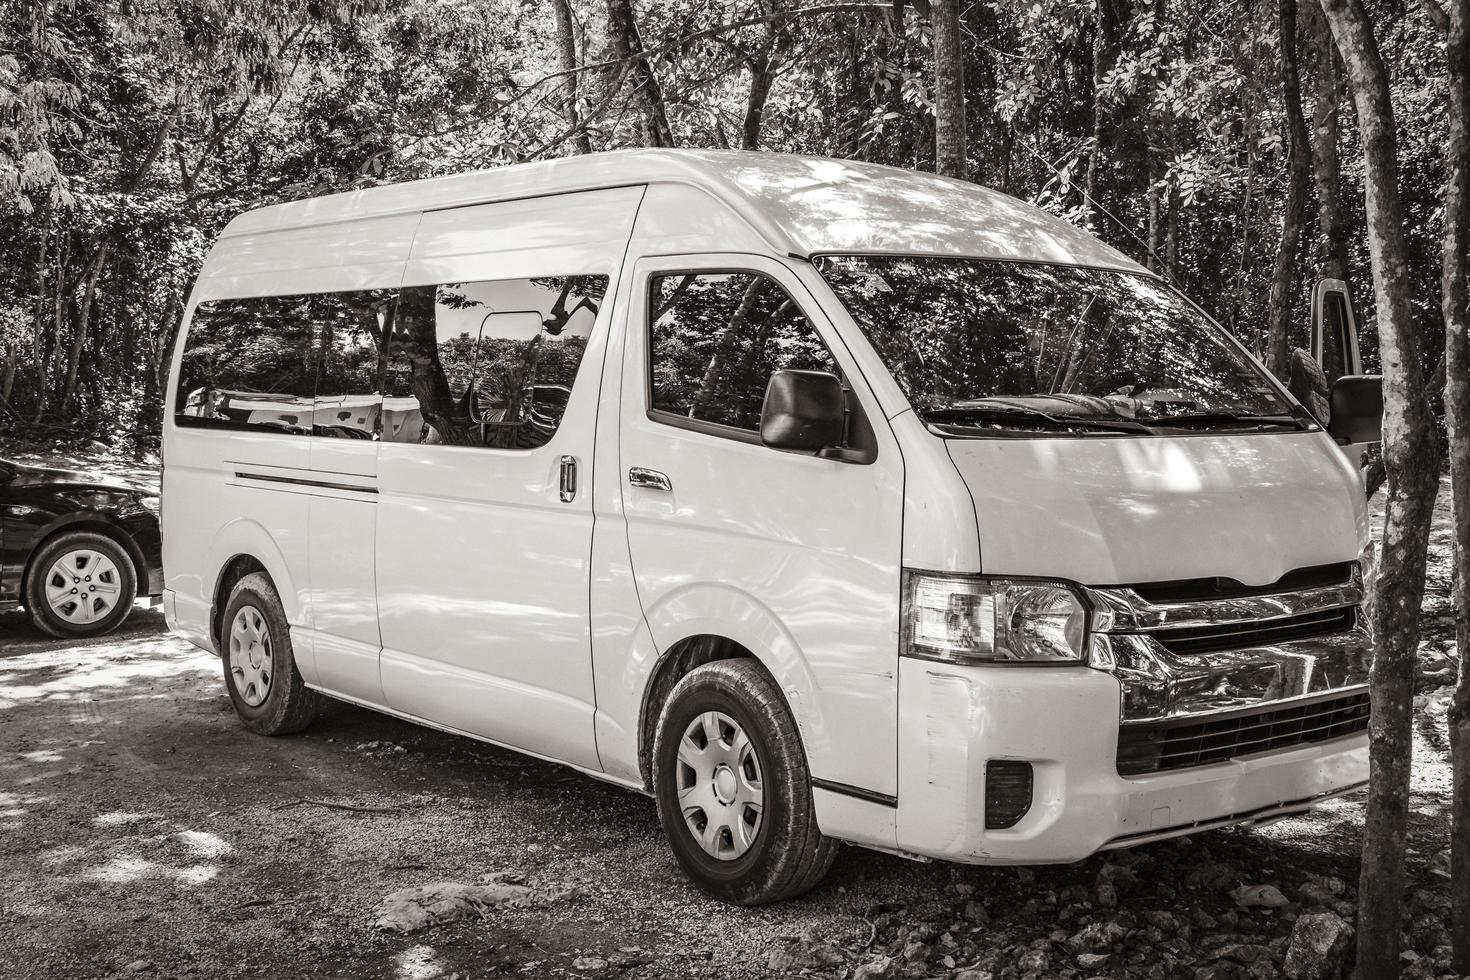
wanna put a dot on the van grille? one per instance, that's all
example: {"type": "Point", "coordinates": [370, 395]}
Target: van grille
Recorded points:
{"type": "Point", "coordinates": [1233, 636]}
{"type": "Point", "coordinates": [1184, 743]}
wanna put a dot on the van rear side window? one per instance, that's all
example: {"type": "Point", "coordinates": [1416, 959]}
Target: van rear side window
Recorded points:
{"type": "Point", "coordinates": [250, 364]}
{"type": "Point", "coordinates": [487, 364]}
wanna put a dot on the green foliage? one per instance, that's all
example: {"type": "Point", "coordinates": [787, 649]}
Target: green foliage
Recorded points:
{"type": "Point", "coordinates": [135, 131]}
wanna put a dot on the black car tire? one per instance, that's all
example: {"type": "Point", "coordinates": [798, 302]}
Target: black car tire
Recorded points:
{"type": "Point", "coordinates": [42, 561]}
{"type": "Point", "coordinates": [788, 855]}
{"type": "Point", "coordinates": [289, 705]}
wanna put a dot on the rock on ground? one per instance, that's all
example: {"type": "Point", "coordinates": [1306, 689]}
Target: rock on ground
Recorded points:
{"type": "Point", "coordinates": [1318, 947]}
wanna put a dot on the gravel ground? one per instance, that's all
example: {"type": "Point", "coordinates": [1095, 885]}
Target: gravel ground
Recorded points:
{"type": "Point", "coordinates": [143, 831]}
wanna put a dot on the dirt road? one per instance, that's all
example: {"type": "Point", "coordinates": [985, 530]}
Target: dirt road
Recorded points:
{"type": "Point", "coordinates": [143, 832]}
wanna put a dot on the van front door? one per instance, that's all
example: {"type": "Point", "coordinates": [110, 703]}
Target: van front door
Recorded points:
{"type": "Point", "coordinates": [795, 557]}
{"type": "Point", "coordinates": [484, 529]}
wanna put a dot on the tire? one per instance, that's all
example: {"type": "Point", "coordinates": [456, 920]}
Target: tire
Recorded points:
{"type": "Point", "coordinates": [99, 596]}
{"type": "Point", "coordinates": [783, 854]}
{"type": "Point", "coordinates": [259, 664]}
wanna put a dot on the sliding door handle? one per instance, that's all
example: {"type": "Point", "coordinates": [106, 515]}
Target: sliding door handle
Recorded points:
{"type": "Point", "coordinates": [648, 479]}
{"type": "Point", "coordinates": [568, 479]}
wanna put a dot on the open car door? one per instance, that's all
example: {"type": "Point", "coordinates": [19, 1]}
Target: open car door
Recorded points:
{"type": "Point", "coordinates": [1356, 399]}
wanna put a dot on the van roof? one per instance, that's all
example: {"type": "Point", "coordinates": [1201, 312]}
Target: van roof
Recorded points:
{"type": "Point", "coordinates": [800, 205]}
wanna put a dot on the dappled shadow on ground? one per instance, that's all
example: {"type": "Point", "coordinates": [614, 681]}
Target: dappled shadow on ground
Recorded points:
{"type": "Point", "coordinates": [140, 823]}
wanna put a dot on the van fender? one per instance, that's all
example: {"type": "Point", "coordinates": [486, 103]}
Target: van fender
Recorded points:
{"type": "Point", "coordinates": [243, 536]}
{"type": "Point", "coordinates": [721, 610]}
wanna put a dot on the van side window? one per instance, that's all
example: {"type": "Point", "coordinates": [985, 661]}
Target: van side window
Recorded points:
{"type": "Point", "coordinates": [715, 339]}
{"type": "Point", "coordinates": [487, 364]}
{"type": "Point", "coordinates": [249, 364]}
{"type": "Point", "coordinates": [349, 389]}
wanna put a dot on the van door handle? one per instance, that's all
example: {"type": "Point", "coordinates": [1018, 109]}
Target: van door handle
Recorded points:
{"type": "Point", "coordinates": [568, 479]}
{"type": "Point", "coordinates": [648, 479]}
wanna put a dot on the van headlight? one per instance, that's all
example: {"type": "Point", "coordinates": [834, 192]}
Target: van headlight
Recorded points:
{"type": "Point", "coordinates": [968, 618]}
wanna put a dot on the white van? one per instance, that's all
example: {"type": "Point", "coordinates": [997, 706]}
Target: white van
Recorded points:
{"type": "Point", "coordinates": [822, 501]}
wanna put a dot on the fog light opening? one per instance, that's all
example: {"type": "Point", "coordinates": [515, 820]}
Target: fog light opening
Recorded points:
{"type": "Point", "coordinates": [1007, 793]}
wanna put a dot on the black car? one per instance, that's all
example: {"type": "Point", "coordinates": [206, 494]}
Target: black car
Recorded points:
{"type": "Point", "coordinates": [76, 548]}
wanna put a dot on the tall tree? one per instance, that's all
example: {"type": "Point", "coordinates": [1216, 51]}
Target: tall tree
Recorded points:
{"type": "Point", "coordinates": [1411, 460]}
{"type": "Point", "coordinates": [762, 65]}
{"type": "Point", "coordinates": [646, 94]}
{"type": "Point", "coordinates": [1455, 308]}
{"type": "Point", "coordinates": [1298, 188]}
{"type": "Point", "coordinates": [566, 61]}
{"type": "Point", "coordinates": [1332, 219]}
{"type": "Point", "coordinates": [950, 143]}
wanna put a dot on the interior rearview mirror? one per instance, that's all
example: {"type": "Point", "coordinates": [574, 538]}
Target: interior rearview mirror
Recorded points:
{"type": "Point", "coordinates": [803, 411]}
{"type": "Point", "coordinates": [1357, 409]}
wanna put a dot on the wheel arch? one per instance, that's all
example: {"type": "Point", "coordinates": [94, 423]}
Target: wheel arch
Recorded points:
{"type": "Point", "coordinates": [242, 547]}
{"type": "Point", "coordinates": [700, 624]}
{"type": "Point", "coordinates": [94, 523]}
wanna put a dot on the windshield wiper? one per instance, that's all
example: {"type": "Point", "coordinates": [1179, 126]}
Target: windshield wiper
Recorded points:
{"type": "Point", "coordinates": [1013, 414]}
{"type": "Point", "coordinates": [1206, 420]}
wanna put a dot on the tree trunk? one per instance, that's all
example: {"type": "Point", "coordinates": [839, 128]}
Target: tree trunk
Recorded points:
{"type": "Point", "coordinates": [1298, 186]}
{"type": "Point", "coordinates": [1332, 219]}
{"type": "Point", "coordinates": [1156, 191]}
{"type": "Point", "coordinates": [1455, 305]}
{"type": "Point", "coordinates": [717, 370]}
{"type": "Point", "coordinates": [84, 321]}
{"type": "Point", "coordinates": [647, 96]}
{"type": "Point", "coordinates": [1411, 461]}
{"type": "Point", "coordinates": [7, 383]}
{"type": "Point", "coordinates": [566, 60]}
{"type": "Point", "coordinates": [950, 145]}
{"type": "Point", "coordinates": [761, 77]}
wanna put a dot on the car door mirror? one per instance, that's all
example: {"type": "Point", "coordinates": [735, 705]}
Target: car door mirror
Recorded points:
{"type": "Point", "coordinates": [803, 411]}
{"type": "Point", "coordinates": [1334, 330]}
{"type": "Point", "coordinates": [1357, 409]}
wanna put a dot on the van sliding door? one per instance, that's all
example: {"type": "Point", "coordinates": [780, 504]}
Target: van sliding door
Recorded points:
{"type": "Point", "coordinates": [346, 427]}
{"type": "Point", "coordinates": [485, 519]}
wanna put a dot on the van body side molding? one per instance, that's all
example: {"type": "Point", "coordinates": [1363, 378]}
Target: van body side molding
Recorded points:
{"type": "Point", "coordinates": [856, 792]}
{"type": "Point", "coordinates": [296, 481]}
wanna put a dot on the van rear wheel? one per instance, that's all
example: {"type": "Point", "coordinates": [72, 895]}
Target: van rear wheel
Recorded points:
{"type": "Point", "coordinates": [733, 790]}
{"type": "Point", "coordinates": [260, 666]}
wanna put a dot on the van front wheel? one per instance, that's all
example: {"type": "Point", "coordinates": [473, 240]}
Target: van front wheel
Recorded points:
{"type": "Point", "coordinates": [260, 666]}
{"type": "Point", "coordinates": [734, 794]}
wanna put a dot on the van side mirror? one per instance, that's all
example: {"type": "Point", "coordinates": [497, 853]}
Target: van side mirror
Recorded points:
{"type": "Point", "coordinates": [1334, 330]}
{"type": "Point", "coordinates": [1357, 409]}
{"type": "Point", "coordinates": [803, 411]}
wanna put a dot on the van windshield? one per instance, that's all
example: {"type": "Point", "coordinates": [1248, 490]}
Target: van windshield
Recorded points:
{"type": "Point", "coordinates": [1029, 347]}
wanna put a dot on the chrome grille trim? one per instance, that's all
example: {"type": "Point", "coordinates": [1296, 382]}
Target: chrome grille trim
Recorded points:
{"type": "Point", "coordinates": [1122, 610]}
{"type": "Point", "coordinates": [1157, 684]}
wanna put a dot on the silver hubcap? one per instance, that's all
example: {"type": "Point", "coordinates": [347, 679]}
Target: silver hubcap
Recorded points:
{"type": "Point", "coordinates": [719, 783]}
{"type": "Point", "coordinates": [83, 586]}
{"type": "Point", "coordinates": [251, 663]}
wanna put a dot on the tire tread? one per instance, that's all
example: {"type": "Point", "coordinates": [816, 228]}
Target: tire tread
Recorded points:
{"type": "Point", "coordinates": [799, 866]}
{"type": "Point", "coordinates": [294, 710]}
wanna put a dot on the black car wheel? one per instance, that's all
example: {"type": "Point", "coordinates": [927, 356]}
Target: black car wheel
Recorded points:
{"type": "Point", "coordinates": [80, 584]}
{"type": "Point", "coordinates": [260, 665]}
{"type": "Point", "coordinates": [734, 794]}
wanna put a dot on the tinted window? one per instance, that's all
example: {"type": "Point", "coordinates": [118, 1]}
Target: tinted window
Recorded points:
{"type": "Point", "coordinates": [1004, 344]}
{"type": "Point", "coordinates": [249, 363]}
{"type": "Point", "coordinates": [349, 390]}
{"type": "Point", "coordinates": [716, 339]}
{"type": "Point", "coordinates": [487, 363]}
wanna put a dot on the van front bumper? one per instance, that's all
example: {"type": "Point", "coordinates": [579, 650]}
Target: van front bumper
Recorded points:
{"type": "Point", "coordinates": [1064, 721]}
